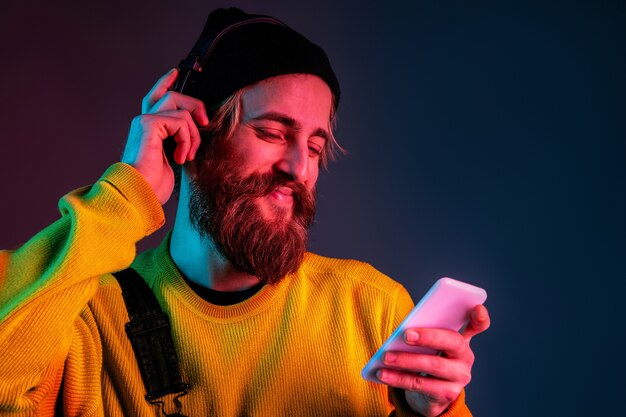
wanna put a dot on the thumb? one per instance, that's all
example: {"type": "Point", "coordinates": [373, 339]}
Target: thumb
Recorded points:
{"type": "Point", "coordinates": [479, 322]}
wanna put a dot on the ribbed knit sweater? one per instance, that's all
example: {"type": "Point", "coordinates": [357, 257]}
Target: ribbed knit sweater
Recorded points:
{"type": "Point", "coordinates": [293, 349]}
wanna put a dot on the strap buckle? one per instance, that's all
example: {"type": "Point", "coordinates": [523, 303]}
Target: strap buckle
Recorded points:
{"type": "Point", "coordinates": [181, 389]}
{"type": "Point", "coordinates": [152, 342]}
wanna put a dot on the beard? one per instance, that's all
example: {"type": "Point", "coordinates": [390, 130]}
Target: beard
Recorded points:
{"type": "Point", "coordinates": [223, 208]}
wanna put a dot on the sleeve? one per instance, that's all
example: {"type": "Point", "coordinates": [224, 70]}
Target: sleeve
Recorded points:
{"type": "Point", "coordinates": [45, 284]}
{"type": "Point", "coordinates": [457, 408]}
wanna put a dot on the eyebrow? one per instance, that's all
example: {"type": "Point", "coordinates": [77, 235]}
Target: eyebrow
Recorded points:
{"type": "Point", "coordinates": [289, 122]}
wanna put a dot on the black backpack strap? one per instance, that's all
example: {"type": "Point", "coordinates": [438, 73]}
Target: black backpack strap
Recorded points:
{"type": "Point", "coordinates": [151, 337]}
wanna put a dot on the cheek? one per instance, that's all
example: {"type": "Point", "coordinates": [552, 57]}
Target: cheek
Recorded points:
{"type": "Point", "coordinates": [249, 156]}
{"type": "Point", "coordinates": [253, 160]}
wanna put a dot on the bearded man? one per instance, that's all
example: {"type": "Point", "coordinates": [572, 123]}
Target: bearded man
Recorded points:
{"type": "Point", "coordinates": [260, 326]}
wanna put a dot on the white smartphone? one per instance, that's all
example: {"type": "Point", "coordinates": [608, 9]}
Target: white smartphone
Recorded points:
{"type": "Point", "coordinates": [447, 305]}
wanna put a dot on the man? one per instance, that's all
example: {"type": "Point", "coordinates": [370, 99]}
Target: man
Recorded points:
{"type": "Point", "coordinates": [260, 326]}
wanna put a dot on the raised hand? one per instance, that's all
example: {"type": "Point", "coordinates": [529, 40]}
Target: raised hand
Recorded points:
{"type": "Point", "coordinates": [165, 114]}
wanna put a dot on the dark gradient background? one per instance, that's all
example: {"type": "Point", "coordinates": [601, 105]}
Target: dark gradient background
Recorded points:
{"type": "Point", "coordinates": [487, 142]}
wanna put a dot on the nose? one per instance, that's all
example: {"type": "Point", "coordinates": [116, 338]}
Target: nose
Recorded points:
{"type": "Point", "coordinates": [295, 162]}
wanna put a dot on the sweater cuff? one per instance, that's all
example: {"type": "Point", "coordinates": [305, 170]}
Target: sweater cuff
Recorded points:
{"type": "Point", "coordinates": [132, 185]}
{"type": "Point", "coordinates": [457, 408]}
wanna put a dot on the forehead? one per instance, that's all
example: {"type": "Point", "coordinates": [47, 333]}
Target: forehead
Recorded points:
{"type": "Point", "coordinates": [303, 97]}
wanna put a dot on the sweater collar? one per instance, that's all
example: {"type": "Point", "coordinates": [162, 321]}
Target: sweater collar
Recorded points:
{"type": "Point", "coordinates": [159, 270]}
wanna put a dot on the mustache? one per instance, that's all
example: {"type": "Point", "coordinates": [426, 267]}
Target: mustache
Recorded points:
{"type": "Point", "coordinates": [259, 185]}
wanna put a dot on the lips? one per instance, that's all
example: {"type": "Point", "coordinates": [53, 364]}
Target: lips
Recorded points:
{"type": "Point", "coordinates": [282, 195]}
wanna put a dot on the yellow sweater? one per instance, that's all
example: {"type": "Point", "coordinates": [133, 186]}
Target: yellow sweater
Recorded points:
{"type": "Point", "coordinates": [292, 349]}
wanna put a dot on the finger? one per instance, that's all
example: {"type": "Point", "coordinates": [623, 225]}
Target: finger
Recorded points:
{"type": "Point", "coordinates": [192, 136]}
{"type": "Point", "coordinates": [450, 342]}
{"type": "Point", "coordinates": [159, 89]}
{"type": "Point", "coordinates": [181, 137]}
{"type": "Point", "coordinates": [195, 145]}
{"type": "Point", "coordinates": [194, 133]}
{"type": "Point", "coordinates": [479, 322]}
{"type": "Point", "coordinates": [172, 100]}
{"type": "Point", "coordinates": [434, 365]}
{"type": "Point", "coordinates": [438, 390]}
{"type": "Point", "coordinates": [165, 126]}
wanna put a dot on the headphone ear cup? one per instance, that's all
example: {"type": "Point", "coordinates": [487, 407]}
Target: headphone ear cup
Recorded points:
{"type": "Point", "coordinates": [184, 80]}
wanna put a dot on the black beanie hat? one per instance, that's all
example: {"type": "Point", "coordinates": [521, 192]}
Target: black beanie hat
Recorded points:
{"type": "Point", "coordinates": [244, 49]}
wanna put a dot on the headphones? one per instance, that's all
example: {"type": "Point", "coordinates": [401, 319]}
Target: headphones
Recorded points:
{"type": "Point", "coordinates": [190, 68]}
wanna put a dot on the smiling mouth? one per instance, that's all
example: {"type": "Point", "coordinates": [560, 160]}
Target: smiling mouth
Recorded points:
{"type": "Point", "coordinates": [282, 196]}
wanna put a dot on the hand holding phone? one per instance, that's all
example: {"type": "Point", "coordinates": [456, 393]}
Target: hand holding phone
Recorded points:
{"type": "Point", "coordinates": [447, 305]}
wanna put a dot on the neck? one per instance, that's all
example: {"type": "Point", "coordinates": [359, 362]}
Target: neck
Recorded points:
{"type": "Point", "coordinates": [196, 256]}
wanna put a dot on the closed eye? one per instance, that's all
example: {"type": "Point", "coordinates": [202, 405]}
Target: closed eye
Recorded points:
{"type": "Point", "coordinates": [269, 134]}
{"type": "Point", "coordinates": [315, 150]}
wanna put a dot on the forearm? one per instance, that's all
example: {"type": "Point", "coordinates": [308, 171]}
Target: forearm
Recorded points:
{"type": "Point", "coordinates": [47, 283]}
{"type": "Point", "coordinates": [95, 235]}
